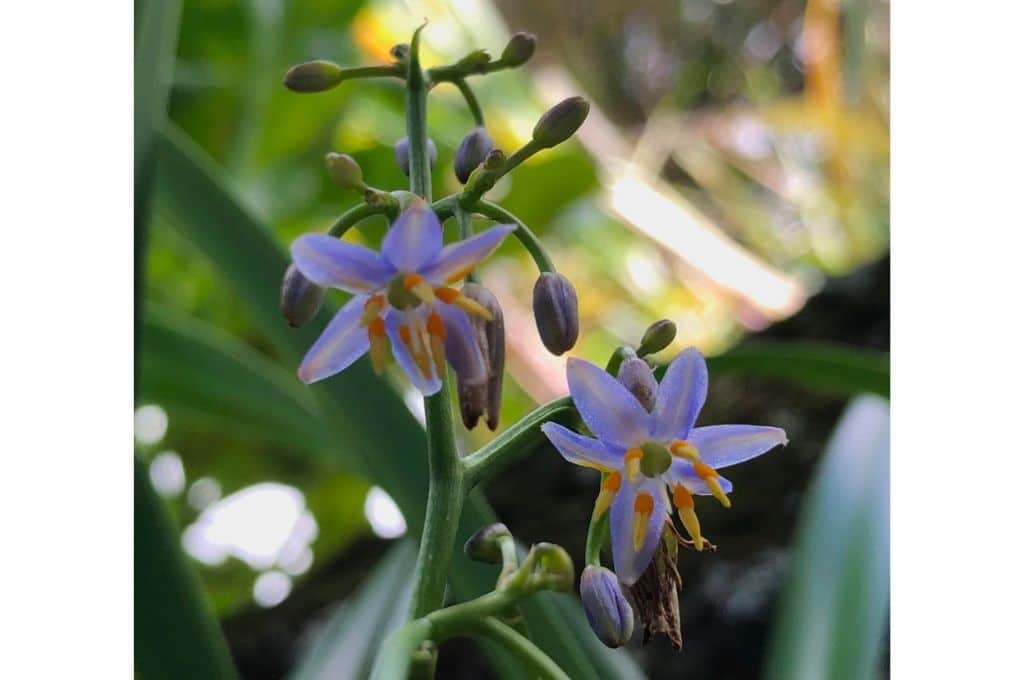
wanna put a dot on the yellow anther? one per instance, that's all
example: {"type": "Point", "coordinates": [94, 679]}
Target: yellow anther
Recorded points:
{"type": "Point", "coordinates": [436, 332]}
{"type": "Point", "coordinates": [372, 309]}
{"type": "Point", "coordinates": [455, 297]}
{"type": "Point", "coordinates": [710, 477]}
{"type": "Point", "coordinates": [683, 500]}
{"type": "Point", "coordinates": [684, 449]}
{"type": "Point", "coordinates": [415, 284]}
{"type": "Point", "coordinates": [642, 508]}
{"type": "Point", "coordinates": [609, 487]}
{"type": "Point", "coordinates": [379, 345]}
{"type": "Point", "coordinates": [412, 340]}
{"type": "Point", "coordinates": [632, 463]}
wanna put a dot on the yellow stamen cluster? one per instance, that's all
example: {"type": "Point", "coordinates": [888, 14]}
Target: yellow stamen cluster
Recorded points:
{"type": "Point", "coordinates": [642, 509]}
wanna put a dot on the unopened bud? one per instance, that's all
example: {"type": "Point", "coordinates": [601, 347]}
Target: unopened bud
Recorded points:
{"type": "Point", "coordinates": [637, 377]}
{"type": "Point", "coordinates": [657, 337]}
{"type": "Point", "coordinates": [472, 152]}
{"type": "Point", "coordinates": [519, 49]}
{"type": "Point", "coordinates": [608, 612]}
{"type": "Point", "coordinates": [553, 568]}
{"type": "Point", "coordinates": [494, 160]}
{"type": "Point", "coordinates": [300, 297]}
{"type": "Point", "coordinates": [344, 171]}
{"type": "Point", "coordinates": [478, 399]}
{"type": "Point", "coordinates": [402, 154]}
{"type": "Point", "coordinates": [485, 544]}
{"type": "Point", "coordinates": [556, 311]}
{"type": "Point", "coordinates": [473, 60]}
{"type": "Point", "coordinates": [560, 121]}
{"type": "Point", "coordinates": [313, 76]}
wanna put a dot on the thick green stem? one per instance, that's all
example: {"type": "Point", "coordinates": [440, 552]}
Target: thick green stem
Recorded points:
{"type": "Point", "coordinates": [386, 71]}
{"type": "Point", "coordinates": [416, 122]}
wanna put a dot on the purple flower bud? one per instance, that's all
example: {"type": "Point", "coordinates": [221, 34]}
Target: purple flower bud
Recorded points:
{"type": "Point", "coordinates": [402, 154]}
{"type": "Point", "coordinates": [607, 610]}
{"type": "Point", "coordinates": [477, 399]}
{"type": "Point", "coordinates": [556, 311]}
{"type": "Point", "coordinates": [560, 121]}
{"type": "Point", "coordinates": [519, 49]}
{"type": "Point", "coordinates": [485, 544]}
{"type": "Point", "coordinates": [472, 152]}
{"type": "Point", "coordinates": [313, 76]}
{"type": "Point", "coordinates": [300, 297]}
{"type": "Point", "coordinates": [637, 377]}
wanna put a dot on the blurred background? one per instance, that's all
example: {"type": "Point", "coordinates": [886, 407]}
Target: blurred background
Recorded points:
{"type": "Point", "coordinates": [732, 177]}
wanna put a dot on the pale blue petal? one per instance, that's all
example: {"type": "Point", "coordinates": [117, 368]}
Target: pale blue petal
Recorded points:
{"type": "Point", "coordinates": [724, 445]}
{"type": "Point", "coordinates": [580, 450]}
{"type": "Point", "coordinates": [329, 261]}
{"type": "Point", "coordinates": [428, 384]}
{"type": "Point", "coordinates": [680, 396]}
{"type": "Point", "coordinates": [682, 472]}
{"type": "Point", "coordinates": [460, 345]}
{"type": "Point", "coordinates": [458, 259]}
{"type": "Point", "coordinates": [342, 342]}
{"type": "Point", "coordinates": [414, 239]}
{"type": "Point", "coordinates": [608, 409]}
{"type": "Point", "coordinates": [629, 563]}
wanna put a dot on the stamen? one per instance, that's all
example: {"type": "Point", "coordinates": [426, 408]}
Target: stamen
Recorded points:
{"type": "Point", "coordinates": [684, 449]}
{"type": "Point", "coordinates": [710, 477]}
{"type": "Point", "coordinates": [436, 331]}
{"type": "Point", "coordinates": [609, 487]}
{"type": "Point", "coordinates": [415, 284]}
{"type": "Point", "coordinates": [379, 345]}
{"type": "Point", "coordinates": [455, 297]}
{"type": "Point", "coordinates": [683, 500]}
{"type": "Point", "coordinates": [412, 341]}
{"type": "Point", "coordinates": [632, 463]}
{"type": "Point", "coordinates": [642, 509]}
{"type": "Point", "coordinates": [372, 309]}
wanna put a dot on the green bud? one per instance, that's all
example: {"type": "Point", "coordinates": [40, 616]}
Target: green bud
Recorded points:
{"type": "Point", "coordinates": [657, 337]}
{"type": "Point", "coordinates": [472, 152]}
{"type": "Point", "coordinates": [473, 61]}
{"type": "Point", "coordinates": [477, 399]}
{"type": "Point", "coordinates": [556, 311]}
{"type": "Point", "coordinates": [494, 160]}
{"type": "Point", "coordinates": [313, 76]}
{"type": "Point", "coordinates": [560, 122]}
{"type": "Point", "coordinates": [519, 49]}
{"type": "Point", "coordinates": [402, 154]}
{"type": "Point", "coordinates": [300, 297]}
{"type": "Point", "coordinates": [553, 568]}
{"type": "Point", "coordinates": [344, 171]}
{"type": "Point", "coordinates": [485, 544]}
{"type": "Point", "coordinates": [656, 460]}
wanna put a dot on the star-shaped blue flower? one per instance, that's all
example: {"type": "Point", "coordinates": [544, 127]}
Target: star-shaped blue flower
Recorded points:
{"type": "Point", "coordinates": [402, 300]}
{"type": "Point", "coordinates": [647, 453]}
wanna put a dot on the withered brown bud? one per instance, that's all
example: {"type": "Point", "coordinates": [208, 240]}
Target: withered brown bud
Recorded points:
{"type": "Point", "coordinates": [480, 399]}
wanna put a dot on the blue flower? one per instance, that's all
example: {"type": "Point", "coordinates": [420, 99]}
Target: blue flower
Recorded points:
{"type": "Point", "coordinates": [402, 300]}
{"type": "Point", "coordinates": [644, 452]}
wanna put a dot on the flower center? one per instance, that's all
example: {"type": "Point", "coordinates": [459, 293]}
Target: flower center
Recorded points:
{"type": "Point", "coordinates": [407, 291]}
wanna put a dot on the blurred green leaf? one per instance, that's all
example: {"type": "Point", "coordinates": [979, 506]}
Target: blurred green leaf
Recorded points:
{"type": "Point", "coordinates": [833, 611]}
{"type": "Point", "coordinates": [373, 431]}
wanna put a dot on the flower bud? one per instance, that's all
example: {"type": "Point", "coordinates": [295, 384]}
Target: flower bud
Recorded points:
{"type": "Point", "coordinates": [495, 160]}
{"type": "Point", "coordinates": [473, 60]}
{"type": "Point", "coordinates": [637, 377]}
{"type": "Point", "coordinates": [657, 337]}
{"type": "Point", "coordinates": [560, 122]}
{"type": "Point", "coordinates": [300, 297]}
{"type": "Point", "coordinates": [607, 610]}
{"type": "Point", "coordinates": [478, 399]}
{"type": "Point", "coordinates": [344, 171]}
{"type": "Point", "coordinates": [402, 154]}
{"type": "Point", "coordinates": [519, 49]}
{"type": "Point", "coordinates": [553, 568]}
{"type": "Point", "coordinates": [556, 311]}
{"type": "Point", "coordinates": [400, 52]}
{"type": "Point", "coordinates": [472, 152]}
{"type": "Point", "coordinates": [313, 76]}
{"type": "Point", "coordinates": [485, 544]}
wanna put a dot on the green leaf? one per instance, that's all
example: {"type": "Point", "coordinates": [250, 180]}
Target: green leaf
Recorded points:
{"type": "Point", "coordinates": [176, 635]}
{"type": "Point", "coordinates": [833, 610]}
{"type": "Point", "coordinates": [372, 429]}
{"type": "Point", "coordinates": [824, 367]}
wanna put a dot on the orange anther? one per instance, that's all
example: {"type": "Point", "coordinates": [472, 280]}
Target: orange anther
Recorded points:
{"type": "Point", "coordinates": [447, 295]}
{"type": "Point", "coordinates": [681, 497]}
{"type": "Point", "coordinates": [411, 280]}
{"type": "Point", "coordinates": [435, 326]}
{"type": "Point", "coordinates": [405, 334]}
{"type": "Point", "coordinates": [612, 482]}
{"type": "Point", "coordinates": [375, 302]}
{"type": "Point", "coordinates": [634, 454]}
{"type": "Point", "coordinates": [704, 470]}
{"type": "Point", "coordinates": [376, 328]}
{"type": "Point", "coordinates": [644, 504]}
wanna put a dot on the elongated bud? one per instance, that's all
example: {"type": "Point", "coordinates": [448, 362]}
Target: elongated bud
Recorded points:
{"type": "Point", "coordinates": [344, 171]}
{"type": "Point", "coordinates": [560, 121]}
{"type": "Point", "coordinates": [637, 377]}
{"type": "Point", "coordinates": [657, 337]}
{"type": "Point", "coordinates": [556, 310]}
{"type": "Point", "coordinates": [300, 297]}
{"type": "Point", "coordinates": [607, 610]}
{"type": "Point", "coordinates": [313, 76]}
{"type": "Point", "coordinates": [402, 154]}
{"type": "Point", "coordinates": [472, 152]}
{"type": "Point", "coordinates": [476, 400]}
{"type": "Point", "coordinates": [519, 49]}
{"type": "Point", "coordinates": [485, 544]}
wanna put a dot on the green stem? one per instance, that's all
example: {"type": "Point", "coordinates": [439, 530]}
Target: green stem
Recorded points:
{"type": "Point", "coordinates": [526, 237]}
{"type": "Point", "coordinates": [352, 216]}
{"type": "Point", "coordinates": [471, 101]}
{"type": "Point", "coordinates": [536, 662]}
{"type": "Point", "coordinates": [513, 161]}
{"type": "Point", "coordinates": [597, 533]}
{"type": "Point", "coordinates": [396, 652]}
{"type": "Point", "coordinates": [389, 70]}
{"type": "Point", "coordinates": [416, 121]}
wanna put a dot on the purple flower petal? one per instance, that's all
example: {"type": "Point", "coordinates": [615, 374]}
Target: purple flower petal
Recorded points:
{"type": "Point", "coordinates": [460, 345]}
{"type": "Point", "coordinates": [608, 409]}
{"type": "Point", "coordinates": [342, 342]}
{"type": "Point", "coordinates": [680, 396]}
{"type": "Point", "coordinates": [682, 472]}
{"type": "Point", "coordinates": [724, 445]}
{"type": "Point", "coordinates": [630, 563]}
{"type": "Point", "coordinates": [329, 261]}
{"type": "Point", "coordinates": [414, 239]}
{"type": "Point", "coordinates": [458, 259]}
{"type": "Point", "coordinates": [427, 384]}
{"type": "Point", "coordinates": [580, 450]}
